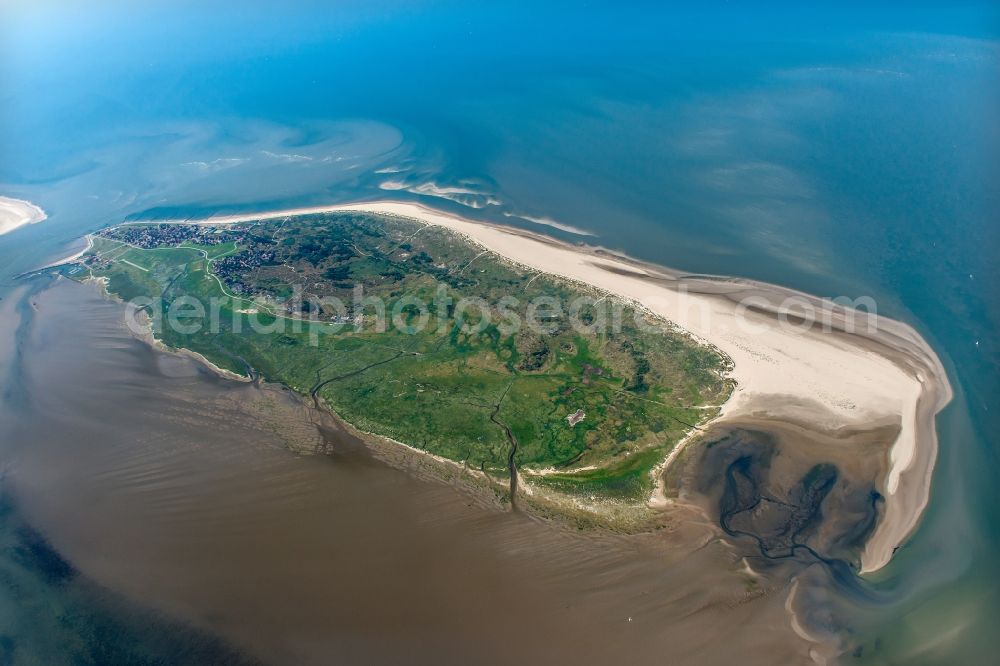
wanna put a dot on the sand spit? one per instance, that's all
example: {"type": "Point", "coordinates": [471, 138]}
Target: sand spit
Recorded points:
{"type": "Point", "coordinates": [16, 213]}
{"type": "Point", "coordinates": [846, 369]}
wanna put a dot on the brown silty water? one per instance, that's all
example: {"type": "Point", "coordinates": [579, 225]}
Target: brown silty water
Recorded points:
{"type": "Point", "coordinates": [190, 494]}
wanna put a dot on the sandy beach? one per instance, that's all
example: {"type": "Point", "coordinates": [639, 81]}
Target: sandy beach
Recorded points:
{"type": "Point", "coordinates": [846, 370]}
{"type": "Point", "coordinates": [16, 213]}
{"type": "Point", "coordinates": [88, 243]}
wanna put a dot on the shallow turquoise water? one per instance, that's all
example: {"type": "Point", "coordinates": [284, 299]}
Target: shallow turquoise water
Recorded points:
{"type": "Point", "coordinates": [843, 151]}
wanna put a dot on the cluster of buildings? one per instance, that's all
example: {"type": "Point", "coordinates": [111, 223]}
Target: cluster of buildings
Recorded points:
{"type": "Point", "coordinates": [148, 236]}
{"type": "Point", "coordinates": [233, 268]}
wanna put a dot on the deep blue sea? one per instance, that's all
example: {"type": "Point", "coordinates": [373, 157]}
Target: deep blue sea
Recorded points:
{"type": "Point", "coordinates": [844, 149]}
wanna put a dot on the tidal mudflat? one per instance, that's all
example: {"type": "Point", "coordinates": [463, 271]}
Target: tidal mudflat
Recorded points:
{"type": "Point", "coordinates": [293, 542]}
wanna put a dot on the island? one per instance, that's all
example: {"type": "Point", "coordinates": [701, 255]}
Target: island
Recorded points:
{"type": "Point", "coordinates": [574, 378]}
{"type": "Point", "coordinates": [414, 334]}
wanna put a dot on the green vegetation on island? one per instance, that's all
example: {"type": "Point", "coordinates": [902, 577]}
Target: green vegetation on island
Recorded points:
{"type": "Point", "coordinates": [479, 361]}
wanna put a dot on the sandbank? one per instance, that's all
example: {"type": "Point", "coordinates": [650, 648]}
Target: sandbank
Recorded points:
{"type": "Point", "coordinates": [16, 213]}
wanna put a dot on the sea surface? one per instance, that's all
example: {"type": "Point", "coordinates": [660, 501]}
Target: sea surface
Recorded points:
{"type": "Point", "coordinates": [845, 150]}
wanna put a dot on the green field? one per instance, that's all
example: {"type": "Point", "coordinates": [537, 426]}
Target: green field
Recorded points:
{"type": "Point", "coordinates": [269, 291]}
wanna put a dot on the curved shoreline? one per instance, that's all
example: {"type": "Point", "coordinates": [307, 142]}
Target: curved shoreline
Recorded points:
{"type": "Point", "coordinates": [89, 239]}
{"type": "Point", "coordinates": [16, 213]}
{"type": "Point", "coordinates": [825, 380]}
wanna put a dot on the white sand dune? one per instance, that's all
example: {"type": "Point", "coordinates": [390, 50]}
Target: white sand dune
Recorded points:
{"type": "Point", "coordinates": [858, 371]}
{"type": "Point", "coordinates": [16, 213]}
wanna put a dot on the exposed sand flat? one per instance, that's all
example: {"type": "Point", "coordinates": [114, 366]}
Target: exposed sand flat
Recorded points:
{"type": "Point", "coordinates": [15, 213]}
{"type": "Point", "coordinates": [847, 370]}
